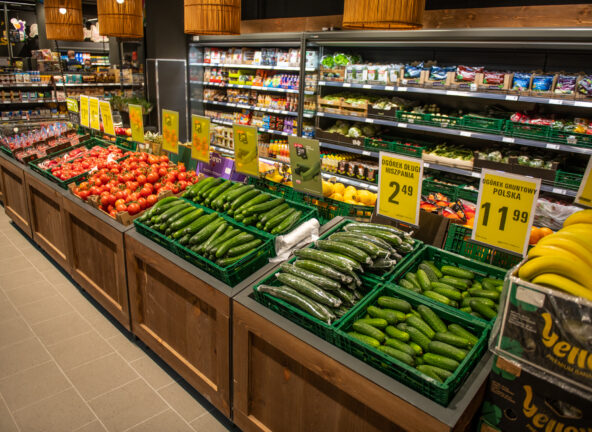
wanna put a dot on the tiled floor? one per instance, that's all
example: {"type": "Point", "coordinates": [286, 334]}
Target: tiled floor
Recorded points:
{"type": "Point", "coordinates": [66, 366]}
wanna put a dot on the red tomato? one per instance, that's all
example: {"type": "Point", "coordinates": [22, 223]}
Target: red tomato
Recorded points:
{"type": "Point", "coordinates": [134, 196]}
{"type": "Point", "coordinates": [142, 203]}
{"type": "Point", "coordinates": [182, 184]}
{"type": "Point", "coordinates": [144, 192]}
{"type": "Point", "coordinates": [133, 208]}
{"type": "Point", "coordinates": [182, 175]}
{"type": "Point", "coordinates": [162, 171]}
{"type": "Point", "coordinates": [164, 159]}
{"type": "Point", "coordinates": [121, 207]}
{"type": "Point", "coordinates": [105, 200]}
{"type": "Point", "coordinates": [171, 177]}
{"type": "Point", "coordinates": [83, 194]}
{"type": "Point", "coordinates": [157, 187]}
{"type": "Point", "coordinates": [181, 167]}
{"type": "Point", "coordinates": [113, 213]}
{"type": "Point", "coordinates": [98, 182]}
{"type": "Point", "coordinates": [104, 178]}
{"type": "Point", "coordinates": [151, 200]}
{"type": "Point", "coordinates": [141, 179]}
{"type": "Point", "coordinates": [95, 191]}
{"type": "Point", "coordinates": [119, 202]}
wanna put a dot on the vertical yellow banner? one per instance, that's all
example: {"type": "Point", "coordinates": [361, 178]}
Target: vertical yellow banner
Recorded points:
{"type": "Point", "coordinates": [246, 151]}
{"type": "Point", "coordinates": [399, 188]}
{"type": "Point", "coordinates": [107, 117]}
{"type": "Point", "coordinates": [200, 138]}
{"type": "Point", "coordinates": [170, 131]}
{"type": "Point", "coordinates": [95, 123]}
{"type": "Point", "coordinates": [584, 196]}
{"type": "Point", "coordinates": [84, 111]}
{"type": "Point", "coordinates": [136, 122]}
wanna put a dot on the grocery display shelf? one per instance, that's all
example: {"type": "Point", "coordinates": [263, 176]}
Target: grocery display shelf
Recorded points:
{"type": "Point", "coordinates": [251, 66]}
{"type": "Point", "coordinates": [34, 119]}
{"type": "Point", "coordinates": [99, 85]}
{"type": "Point", "coordinates": [357, 150]}
{"type": "Point", "coordinates": [271, 131]}
{"type": "Point", "coordinates": [352, 181]}
{"type": "Point", "coordinates": [40, 101]}
{"type": "Point", "coordinates": [246, 106]}
{"type": "Point", "coordinates": [25, 85]}
{"type": "Point", "coordinates": [246, 86]}
{"type": "Point", "coordinates": [460, 93]}
{"type": "Point", "coordinates": [461, 133]}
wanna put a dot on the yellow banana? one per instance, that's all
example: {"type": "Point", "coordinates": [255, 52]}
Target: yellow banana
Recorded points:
{"type": "Point", "coordinates": [552, 280]}
{"type": "Point", "coordinates": [567, 244]}
{"type": "Point", "coordinates": [559, 265]}
{"type": "Point", "coordinates": [554, 251]}
{"type": "Point", "coordinates": [583, 241]}
{"type": "Point", "coordinates": [579, 228]}
{"type": "Point", "coordinates": [584, 216]}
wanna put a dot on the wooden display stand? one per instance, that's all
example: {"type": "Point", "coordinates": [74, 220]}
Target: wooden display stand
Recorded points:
{"type": "Point", "coordinates": [14, 193]}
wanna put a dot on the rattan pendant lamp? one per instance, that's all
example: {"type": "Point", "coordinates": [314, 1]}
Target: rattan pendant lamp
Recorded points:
{"type": "Point", "coordinates": [63, 20]}
{"type": "Point", "coordinates": [383, 14]}
{"type": "Point", "coordinates": [212, 17]}
{"type": "Point", "coordinates": [121, 18]}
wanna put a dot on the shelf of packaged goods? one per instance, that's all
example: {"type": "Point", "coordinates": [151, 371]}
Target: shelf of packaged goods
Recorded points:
{"type": "Point", "coordinates": [247, 106]}
{"type": "Point", "coordinates": [24, 85]}
{"type": "Point", "coordinates": [98, 85]}
{"type": "Point", "coordinates": [461, 133]}
{"type": "Point", "coordinates": [33, 119]}
{"type": "Point", "coordinates": [460, 93]}
{"type": "Point", "coordinates": [40, 101]}
{"type": "Point", "coordinates": [225, 151]}
{"type": "Point", "coordinates": [251, 66]}
{"type": "Point", "coordinates": [349, 149]}
{"type": "Point", "coordinates": [270, 131]}
{"type": "Point", "coordinates": [352, 181]}
{"type": "Point", "coordinates": [246, 86]}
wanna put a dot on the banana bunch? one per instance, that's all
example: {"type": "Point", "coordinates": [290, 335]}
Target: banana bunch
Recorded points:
{"type": "Point", "coordinates": [563, 260]}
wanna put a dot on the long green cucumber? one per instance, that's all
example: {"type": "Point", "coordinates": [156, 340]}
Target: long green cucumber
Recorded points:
{"type": "Point", "coordinates": [293, 297]}
{"type": "Point", "coordinates": [237, 192]}
{"type": "Point", "coordinates": [240, 239]}
{"type": "Point", "coordinates": [201, 195]}
{"type": "Point", "coordinates": [317, 279]}
{"type": "Point", "coordinates": [375, 226]}
{"type": "Point", "coordinates": [244, 248]}
{"type": "Point", "coordinates": [184, 240]}
{"type": "Point", "coordinates": [198, 224]}
{"type": "Point", "coordinates": [344, 249]}
{"type": "Point", "coordinates": [225, 262]}
{"type": "Point", "coordinates": [265, 217]}
{"type": "Point", "coordinates": [347, 296]}
{"type": "Point", "coordinates": [178, 226]}
{"type": "Point", "coordinates": [370, 248]}
{"type": "Point", "coordinates": [228, 234]}
{"type": "Point", "coordinates": [311, 290]}
{"type": "Point", "coordinates": [257, 199]}
{"type": "Point", "coordinates": [288, 223]}
{"type": "Point", "coordinates": [203, 234]}
{"type": "Point", "coordinates": [390, 238]}
{"type": "Point", "coordinates": [278, 219]}
{"type": "Point", "coordinates": [221, 228]}
{"type": "Point", "coordinates": [339, 262]}
{"type": "Point", "coordinates": [323, 270]}
{"type": "Point", "coordinates": [263, 207]}
{"type": "Point", "coordinates": [200, 185]}
{"type": "Point", "coordinates": [217, 202]}
{"type": "Point", "coordinates": [462, 332]}
{"type": "Point", "coordinates": [159, 207]}
{"type": "Point", "coordinates": [179, 215]}
{"type": "Point", "coordinates": [243, 199]}
{"type": "Point", "coordinates": [162, 217]}
{"type": "Point", "coordinates": [215, 192]}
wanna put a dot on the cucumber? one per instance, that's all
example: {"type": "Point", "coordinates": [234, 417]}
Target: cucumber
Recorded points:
{"type": "Point", "coordinates": [429, 272]}
{"type": "Point", "coordinates": [225, 262]}
{"type": "Point", "coordinates": [341, 311]}
{"type": "Point", "coordinates": [492, 281]}
{"type": "Point", "coordinates": [215, 192]}
{"type": "Point", "coordinates": [318, 280]}
{"type": "Point", "coordinates": [278, 219]}
{"type": "Point", "coordinates": [483, 310]}
{"type": "Point", "coordinates": [466, 309]}
{"type": "Point", "coordinates": [399, 355]}
{"type": "Point", "coordinates": [257, 199]}
{"type": "Point", "coordinates": [394, 303]}
{"type": "Point", "coordinates": [323, 270]}
{"type": "Point", "coordinates": [466, 302]}
{"type": "Point", "coordinates": [418, 350]}
{"type": "Point", "coordinates": [437, 297]}
{"type": "Point", "coordinates": [288, 223]}
{"type": "Point", "coordinates": [423, 279]}
{"type": "Point", "coordinates": [198, 224]}
{"type": "Point", "coordinates": [365, 339]}
{"type": "Point", "coordinates": [218, 201]}
{"type": "Point", "coordinates": [492, 295]}
{"type": "Point", "coordinates": [179, 215]}
{"type": "Point", "coordinates": [375, 226]}
{"type": "Point", "coordinates": [242, 199]}
{"type": "Point", "coordinates": [379, 323]}
{"type": "Point", "coordinates": [401, 346]}
{"type": "Point", "coordinates": [159, 207]}
{"type": "Point", "coordinates": [238, 217]}
{"type": "Point", "coordinates": [446, 290]}
{"type": "Point", "coordinates": [265, 217]}
{"type": "Point", "coordinates": [418, 337]}
{"type": "Point", "coordinates": [412, 277]}
{"type": "Point", "coordinates": [476, 284]}
{"type": "Point", "coordinates": [457, 272]}
{"type": "Point", "coordinates": [201, 195]}
{"type": "Point", "coordinates": [462, 332]}
{"type": "Point", "coordinates": [372, 239]}
{"type": "Point", "coordinates": [216, 234]}
{"type": "Point", "coordinates": [347, 296]}
{"type": "Point", "coordinates": [368, 330]}
{"type": "Point", "coordinates": [159, 219]}
{"type": "Point", "coordinates": [368, 247]}
{"type": "Point", "coordinates": [356, 279]}
{"type": "Point", "coordinates": [179, 225]}
{"type": "Point", "coordinates": [203, 234]}
{"type": "Point", "coordinates": [420, 325]}
{"type": "Point", "coordinates": [263, 207]}
{"type": "Point", "coordinates": [293, 297]}
{"type": "Point", "coordinates": [408, 285]}
{"type": "Point", "coordinates": [331, 259]}
{"type": "Point", "coordinates": [200, 185]}
{"type": "Point", "coordinates": [308, 289]}
{"type": "Point", "coordinates": [413, 313]}
{"type": "Point", "coordinates": [431, 319]}
{"type": "Point", "coordinates": [402, 326]}
{"type": "Point", "coordinates": [244, 248]}
{"type": "Point", "coordinates": [462, 284]}
{"type": "Point", "coordinates": [240, 239]}
{"type": "Point", "coordinates": [446, 350]}
{"type": "Point", "coordinates": [344, 249]}
{"type": "Point", "coordinates": [427, 370]}
{"type": "Point", "coordinates": [435, 269]}
{"type": "Point", "coordinates": [390, 238]}
{"type": "Point", "coordinates": [184, 240]}
{"type": "Point", "coordinates": [231, 196]}
{"type": "Point", "coordinates": [441, 361]}
{"type": "Point", "coordinates": [394, 332]}
{"type": "Point", "coordinates": [229, 233]}
{"type": "Point", "coordinates": [442, 373]}
{"type": "Point", "coordinates": [389, 315]}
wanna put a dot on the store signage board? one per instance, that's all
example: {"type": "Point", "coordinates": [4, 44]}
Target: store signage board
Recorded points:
{"type": "Point", "coordinates": [584, 196]}
{"type": "Point", "coordinates": [305, 160]}
{"type": "Point", "coordinates": [136, 122]}
{"type": "Point", "coordinates": [399, 188]}
{"type": "Point", "coordinates": [505, 210]}
{"type": "Point", "coordinates": [170, 131]}
{"type": "Point", "coordinates": [73, 115]}
{"type": "Point", "coordinates": [95, 122]}
{"type": "Point", "coordinates": [200, 138]}
{"type": "Point", "coordinates": [84, 111]}
{"type": "Point", "coordinates": [107, 117]}
{"type": "Point", "coordinates": [246, 151]}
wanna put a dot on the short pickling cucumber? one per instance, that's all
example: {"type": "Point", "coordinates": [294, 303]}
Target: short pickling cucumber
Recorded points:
{"type": "Point", "coordinates": [323, 270]}
{"type": "Point", "coordinates": [457, 272]}
{"type": "Point", "coordinates": [423, 279]}
{"type": "Point", "coordinates": [420, 325]}
{"type": "Point", "coordinates": [482, 309]}
{"type": "Point", "coordinates": [466, 309]}
{"type": "Point", "coordinates": [408, 285]}
{"type": "Point", "coordinates": [346, 296]}
{"type": "Point", "coordinates": [493, 295]}
{"type": "Point", "coordinates": [441, 361]}
{"type": "Point", "coordinates": [344, 249]}
{"type": "Point", "coordinates": [431, 319]}
{"type": "Point", "coordinates": [417, 336]}
{"type": "Point", "coordinates": [267, 216]}
{"type": "Point", "coordinates": [293, 297]}
{"type": "Point", "coordinates": [365, 339]}
{"type": "Point", "coordinates": [308, 289]}
{"type": "Point", "coordinates": [399, 355]}
{"type": "Point", "coordinates": [288, 223]}
{"type": "Point", "coordinates": [462, 332]}
{"type": "Point", "coordinates": [442, 373]}
{"type": "Point", "coordinates": [437, 297]}
{"type": "Point", "coordinates": [427, 370]}
{"type": "Point", "coordinates": [368, 330]}
{"type": "Point", "coordinates": [370, 248]}
{"type": "Point", "coordinates": [435, 269]}
{"type": "Point", "coordinates": [317, 279]}
{"type": "Point", "coordinates": [476, 284]}
{"type": "Point", "coordinates": [379, 323]}
{"type": "Point", "coordinates": [263, 207]}
{"type": "Point", "coordinates": [198, 224]}
{"type": "Point", "coordinates": [412, 277]}
{"type": "Point", "coordinates": [240, 239]}
{"type": "Point", "coordinates": [447, 350]}
{"type": "Point", "coordinates": [401, 346]}
{"type": "Point", "coordinates": [387, 314]}
{"type": "Point", "coordinates": [418, 350]}
{"type": "Point", "coordinates": [429, 272]}
{"type": "Point", "coordinates": [326, 258]}
{"type": "Point", "coordinates": [492, 281]}
{"type": "Point", "coordinates": [394, 303]}
{"type": "Point", "coordinates": [178, 225]}
{"type": "Point", "coordinates": [244, 248]}
{"type": "Point", "coordinates": [462, 284]}
{"type": "Point", "coordinates": [394, 332]}
{"type": "Point", "coordinates": [203, 234]}
{"type": "Point", "coordinates": [446, 290]}
{"type": "Point", "coordinates": [487, 302]}
{"type": "Point", "coordinates": [278, 219]}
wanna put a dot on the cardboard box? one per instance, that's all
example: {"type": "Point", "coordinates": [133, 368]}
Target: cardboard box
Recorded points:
{"type": "Point", "coordinates": [502, 86]}
{"type": "Point", "coordinates": [548, 331]}
{"type": "Point", "coordinates": [516, 400]}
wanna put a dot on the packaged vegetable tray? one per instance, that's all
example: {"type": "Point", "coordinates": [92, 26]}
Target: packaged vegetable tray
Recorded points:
{"type": "Point", "coordinates": [440, 392]}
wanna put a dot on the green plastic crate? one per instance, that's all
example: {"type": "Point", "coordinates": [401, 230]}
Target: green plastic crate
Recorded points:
{"type": "Point", "coordinates": [441, 393]}
{"type": "Point", "coordinates": [570, 138]}
{"type": "Point", "coordinates": [440, 120]}
{"type": "Point", "coordinates": [414, 118]}
{"type": "Point", "coordinates": [126, 144]}
{"type": "Point", "coordinates": [231, 275]}
{"type": "Point", "coordinates": [430, 186]}
{"type": "Point", "coordinates": [395, 145]}
{"type": "Point", "coordinates": [528, 131]}
{"type": "Point", "coordinates": [482, 124]}
{"type": "Point", "coordinates": [329, 209]}
{"type": "Point", "coordinates": [568, 180]}
{"type": "Point", "coordinates": [274, 188]}
{"type": "Point", "coordinates": [466, 194]}
{"type": "Point", "coordinates": [459, 241]}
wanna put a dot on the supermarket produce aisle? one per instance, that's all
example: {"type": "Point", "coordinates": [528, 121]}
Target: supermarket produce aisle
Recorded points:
{"type": "Point", "coordinates": [65, 366]}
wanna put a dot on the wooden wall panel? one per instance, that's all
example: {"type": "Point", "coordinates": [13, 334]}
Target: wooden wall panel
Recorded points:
{"type": "Point", "coordinates": [182, 319]}
{"type": "Point", "coordinates": [15, 194]}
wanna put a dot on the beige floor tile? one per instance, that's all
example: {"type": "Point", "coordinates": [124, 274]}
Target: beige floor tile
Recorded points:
{"type": "Point", "coordinates": [7, 312]}
{"type": "Point", "coordinates": [127, 348]}
{"type": "Point", "coordinates": [95, 426]}
{"type": "Point", "coordinates": [69, 291]}
{"type": "Point", "coordinates": [20, 278]}
{"type": "Point", "coordinates": [80, 349]}
{"type": "Point", "coordinates": [45, 309]}
{"type": "Point", "coordinates": [127, 406]}
{"type": "Point", "coordinates": [16, 263]}
{"type": "Point", "coordinates": [7, 424]}
{"type": "Point", "coordinates": [182, 402]}
{"type": "Point", "coordinates": [102, 375]}
{"type": "Point", "coordinates": [62, 327]}
{"type": "Point", "coordinates": [41, 262]}
{"type": "Point", "coordinates": [55, 276]}
{"type": "Point", "coordinates": [32, 385]}
{"type": "Point", "coordinates": [65, 411]}
{"type": "Point", "coordinates": [87, 309]}
{"type": "Point", "coordinates": [21, 356]}
{"type": "Point", "coordinates": [104, 326]}
{"type": "Point", "coordinates": [152, 372]}
{"type": "Point", "coordinates": [209, 423]}
{"type": "Point", "coordinates": [8, 251]}
{"type": "Point", "coordinates": [30, 293]}
{"type": "Point", "coordinates": [167, 421]}
{"type": "Point", "coordinates": [14, 330]}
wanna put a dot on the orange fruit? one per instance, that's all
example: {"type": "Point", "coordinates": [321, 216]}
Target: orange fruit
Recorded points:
{"type": "Point", "coordinates": [535, 235]}
{"type": "Point", "coordinates": [545, 231]}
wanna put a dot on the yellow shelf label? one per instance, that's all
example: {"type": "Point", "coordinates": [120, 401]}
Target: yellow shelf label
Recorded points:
{"type": "Point", "coordinates": [84, 111]}
{"type": "Point", "coordinates": [246, 151]}
{"type": "Point", "coordinates": [200, 138]}
{"type": "Point", "coordinates": [170, 131]}
{"type": "Point", "coordinates": [136, 122]}
{"type": "Point", "coordinates": [95, 123]}
{"type": "Point", "coordinates": [107, 117]}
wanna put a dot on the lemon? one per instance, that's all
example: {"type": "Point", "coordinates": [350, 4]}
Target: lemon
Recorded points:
{"type": "Point", "coordinates": [328, 189]}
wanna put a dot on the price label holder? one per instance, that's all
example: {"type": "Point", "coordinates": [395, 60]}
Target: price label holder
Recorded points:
{"type": "Point", "coordinates": [584, 195]}
{"type": "Point", "coordinates": [505, 210]}
{"type": "Point", "coordinates": [95, 122]}
{"type": "Point", "coordinates": [107, 117]}
{"type": "Point", "coordinates": [200, 138]}
{"type": "Point", "coordinates": [399, 189]}
{"type": "Point", "coordinates": [84, 111]}
{"type": "Point", "coordinates": [136, 116]}
{"type": "Point", "coordinates": [246, 150]}
{"type": "Point", "coordinates": [305, 160]}
{"type": "Point", "coordinates": [73, 114]}
{"type": "Point", "coordinates": [170, 131]}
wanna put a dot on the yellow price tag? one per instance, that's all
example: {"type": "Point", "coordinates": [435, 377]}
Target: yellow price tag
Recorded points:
{"type": "Point", "coordinates": [107, 117]}
{"type": "Point", "coordinates": [84, 111]}
{"type": "Point", "coordinates": [72, 105]}
{"type": "Point", "coordinates": [200, 138]}
{"type": "Point", "coordinates": [170, 131]}
{"type": "Point", "coordinates": [246, 151]}
{"type": "Point", "coordinates": [94, 113]}
{"type": "Point", "coordinates": [399, 188]}
{"type": "Point", "coordinates": [136, 122]}
{"type": "Point", "coordinates": [584, 196]}
{"type": "Point", "coordinates": [505, 210]}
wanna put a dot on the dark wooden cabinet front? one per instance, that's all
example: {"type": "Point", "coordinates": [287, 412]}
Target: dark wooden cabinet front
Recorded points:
{"type": "Point", "coordinates": [15, 194]}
